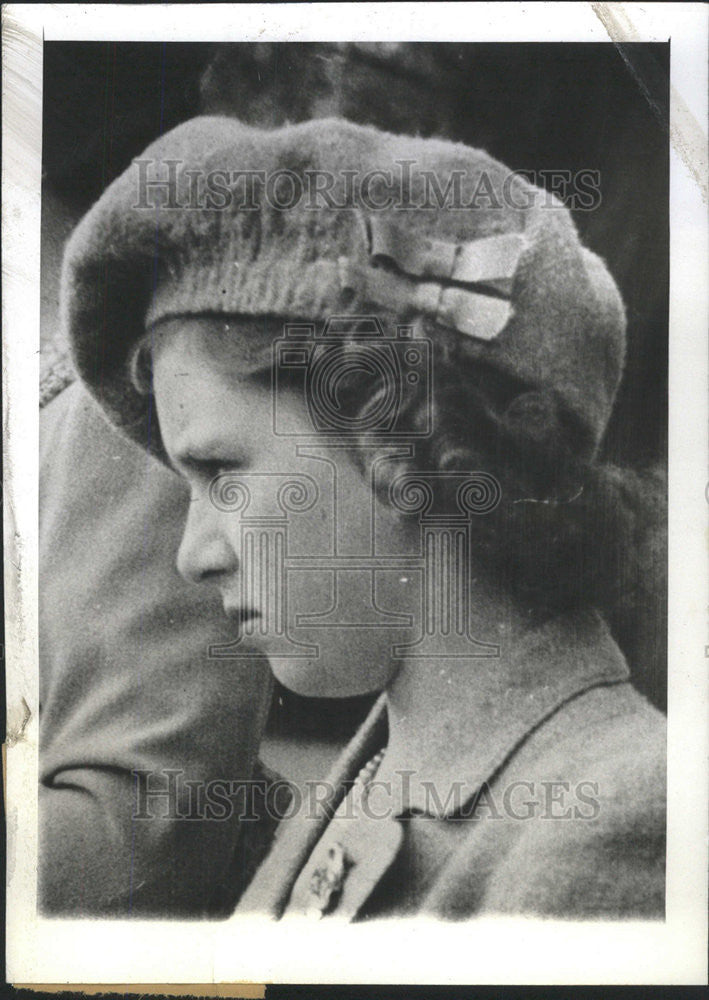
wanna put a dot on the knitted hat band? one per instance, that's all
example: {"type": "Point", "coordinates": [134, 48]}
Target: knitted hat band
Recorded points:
{"type": "Point", "coordinates": [480, 310]}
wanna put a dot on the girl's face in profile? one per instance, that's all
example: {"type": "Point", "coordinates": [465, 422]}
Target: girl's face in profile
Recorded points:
{"type": "Point", "coordinates": [327, 631]}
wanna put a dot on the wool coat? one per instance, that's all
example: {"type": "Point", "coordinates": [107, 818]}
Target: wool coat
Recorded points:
{"type": "Point", "coordinates": [549, 800]}
{"type": "Point", "coordinates": [127, 685]}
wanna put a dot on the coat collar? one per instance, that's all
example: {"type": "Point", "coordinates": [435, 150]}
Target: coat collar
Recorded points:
{"type": "Point", "coordinates": [551, 664]}
{"type": "Point", "coordinates": [295, 839]}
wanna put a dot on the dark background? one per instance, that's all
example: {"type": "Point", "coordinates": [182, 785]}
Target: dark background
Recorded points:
{"type": "Point", "coordinates": [535, 106]}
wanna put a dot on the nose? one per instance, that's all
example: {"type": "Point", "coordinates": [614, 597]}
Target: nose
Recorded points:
{"type": "Point", "coordinates": [206, 554]}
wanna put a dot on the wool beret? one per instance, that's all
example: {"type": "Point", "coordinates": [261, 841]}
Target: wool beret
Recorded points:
{"type": "Point", "coordinates": [327, 217]}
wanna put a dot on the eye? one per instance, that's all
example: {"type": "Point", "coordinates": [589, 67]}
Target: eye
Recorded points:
{"type": "Point", "coordinates": [262, 377]}
{"type": "Point", "coordinates": [211, 470]}
{"type": "Point", "coordinates": [203, 471]}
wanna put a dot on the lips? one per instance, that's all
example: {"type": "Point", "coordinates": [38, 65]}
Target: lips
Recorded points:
{"type": "Point", "coordinates": [241, 615]}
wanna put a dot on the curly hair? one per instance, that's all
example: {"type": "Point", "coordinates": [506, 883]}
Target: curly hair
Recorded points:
{"type": "Point", "coordinates": [568, 530]}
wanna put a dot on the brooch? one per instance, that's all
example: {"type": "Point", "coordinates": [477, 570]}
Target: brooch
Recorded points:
{"type": "Point", "coordinates": [326, 881]}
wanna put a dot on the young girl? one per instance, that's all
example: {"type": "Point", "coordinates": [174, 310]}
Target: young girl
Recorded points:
{"type": "Point", "coordinates": [384, 366]}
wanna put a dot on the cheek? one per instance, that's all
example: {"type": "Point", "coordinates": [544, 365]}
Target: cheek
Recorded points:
{"type": "Point", "coordinates": [346, 618]}
{"type": "Point", "coordinates": [366, 523]}
{"type": "Point", "coordinates": [352, 620]}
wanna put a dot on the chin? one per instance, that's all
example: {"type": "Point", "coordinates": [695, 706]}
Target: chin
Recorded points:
{"type": "Point", "coordinates": [321, 679]}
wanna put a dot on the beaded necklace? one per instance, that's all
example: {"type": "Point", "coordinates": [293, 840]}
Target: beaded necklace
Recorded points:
{"type": "Point", "coordinates": [327, 880]}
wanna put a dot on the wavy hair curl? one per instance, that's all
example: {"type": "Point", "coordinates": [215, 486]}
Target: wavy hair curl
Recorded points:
{"type": "Point", "coordinates": [570, 530]}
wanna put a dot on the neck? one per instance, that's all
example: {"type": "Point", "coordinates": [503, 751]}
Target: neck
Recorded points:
{"type": "Point", "coordinates": [431, 698]}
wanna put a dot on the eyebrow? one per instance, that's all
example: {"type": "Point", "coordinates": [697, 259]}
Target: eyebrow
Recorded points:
{"type": "Point", "coordinates": [260, 376]}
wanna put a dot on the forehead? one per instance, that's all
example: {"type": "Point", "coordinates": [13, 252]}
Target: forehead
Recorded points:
{"type": "Point", "coordinates": [233, 347]}
{"type": "Point", "coordinates": [202, 371]}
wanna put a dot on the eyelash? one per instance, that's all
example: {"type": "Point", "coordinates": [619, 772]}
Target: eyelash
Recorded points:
{"type": "Point", "coordinates": [210, 471]}
{"type": "Point", "coordinates": [203, 473]}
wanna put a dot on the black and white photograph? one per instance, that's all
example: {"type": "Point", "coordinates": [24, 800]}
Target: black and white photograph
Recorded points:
{"type": "Point", "coordinates": [353, 457]}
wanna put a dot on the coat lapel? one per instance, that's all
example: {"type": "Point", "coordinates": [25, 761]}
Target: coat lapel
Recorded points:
{"type": "Point", "coordinates": [347, 864]}
{"type": "Point", "coordinates": [270, 890]}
